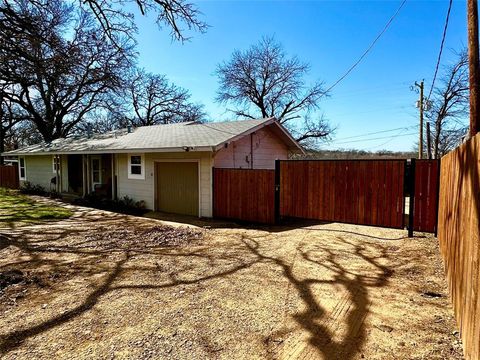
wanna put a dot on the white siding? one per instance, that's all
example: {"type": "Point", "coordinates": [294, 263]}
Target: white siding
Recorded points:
{"type": "Point", "coordinates": [266, 148]}
{"type": "Point", "coordinates": [140, 189]}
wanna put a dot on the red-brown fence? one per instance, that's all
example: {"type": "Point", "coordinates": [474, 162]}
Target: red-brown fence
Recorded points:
{"type": "Point", "coordinates": [368, 192]}
{"type": "Point", "coordinates": [9, 176]}
{"type": "Point", "coordinates": [426, 195]}
{"type": "Point", "coordinates": [244, 194]}
{"type": "Point", "coordinates": [458, 233]}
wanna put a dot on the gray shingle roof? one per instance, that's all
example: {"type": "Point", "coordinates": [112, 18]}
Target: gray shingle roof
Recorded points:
{"type": "Point", "coordinates": [170, 137]}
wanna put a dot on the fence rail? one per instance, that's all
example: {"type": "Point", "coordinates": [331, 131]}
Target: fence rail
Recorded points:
{"type": "Point", "coordinates": [9, 176]}
{"type": "Point", "coordinates": [458, 233]}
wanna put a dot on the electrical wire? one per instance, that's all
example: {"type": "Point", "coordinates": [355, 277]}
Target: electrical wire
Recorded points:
{"type": "Point", "coordinates": [388, 141]}
{"type": "Point", "coordinates": [371, 139]}
{"type": "Point", "coordinates": [368, 49]}
{"type": "Point", "coordinates": [379, 132]}
{"type": "Point", "coordinates": [441, 49]}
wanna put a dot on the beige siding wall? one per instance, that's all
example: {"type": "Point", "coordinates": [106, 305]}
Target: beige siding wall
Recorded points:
{"type": "Point", "coordinates": [39, 171]}
{"type": "Point", "coordinates": [266, 148]}
{"type": "Point", "coordinates": [144, 189]}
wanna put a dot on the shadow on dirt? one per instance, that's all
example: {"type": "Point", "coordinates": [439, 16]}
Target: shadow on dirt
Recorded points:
{"type": "Point", "coordinates": [47, 250]}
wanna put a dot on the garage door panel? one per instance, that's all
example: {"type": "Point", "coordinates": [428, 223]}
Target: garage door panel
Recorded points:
{"type": "Point", "coordinates": [177, 187]}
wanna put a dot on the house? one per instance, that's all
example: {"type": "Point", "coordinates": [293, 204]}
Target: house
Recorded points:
{"type": "Point", "coordinates": [169, 167]}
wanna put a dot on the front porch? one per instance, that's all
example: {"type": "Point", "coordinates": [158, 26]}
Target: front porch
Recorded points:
{"type": "Point", "coordinates": [80, 175]}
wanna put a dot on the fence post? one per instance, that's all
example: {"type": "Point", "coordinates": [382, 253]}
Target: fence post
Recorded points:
{"type": "Point", "coordinates": [439, 161]}
{"type": "Point", "coordinates": [277, 191]}
{"type": "Point", "coordinates": [213, 191]}
{"type": "Point", "coordinates": [411, 187]}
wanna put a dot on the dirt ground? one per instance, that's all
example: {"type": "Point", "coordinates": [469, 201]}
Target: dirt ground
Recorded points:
{"type": "Point", "coordinates": [98, 285]}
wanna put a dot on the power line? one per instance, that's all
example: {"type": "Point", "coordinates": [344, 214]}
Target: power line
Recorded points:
{"type": "Point", "coordinates": [379, 132]}
{"type": "Point", "coordinates": [388, 141]}
{"type": "Point", "coordinates": [368, 49]}
{"type": "Point", "coordinates": [377, 138]}
{"type": "Point", "coordinates": [441, 49]}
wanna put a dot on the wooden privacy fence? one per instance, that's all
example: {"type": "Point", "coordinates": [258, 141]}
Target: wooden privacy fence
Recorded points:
{"type": "Point", "coordinates": [244, 194]}
{"type": "Point", "coordinates": [366, 192]}
{"type": "Point", "coordinates": [458, 233]}
{"type": "Point", "coordinates": [9, 176]}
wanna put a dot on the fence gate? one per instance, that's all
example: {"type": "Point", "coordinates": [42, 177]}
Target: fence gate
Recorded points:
{"type": "Point", "coordinates": [365, 192]}
{"type": "Point", "coordinates": [425, 186]}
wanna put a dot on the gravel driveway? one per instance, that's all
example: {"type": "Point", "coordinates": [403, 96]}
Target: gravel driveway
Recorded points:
{"type": "Point", "coordinates": [103, 285]}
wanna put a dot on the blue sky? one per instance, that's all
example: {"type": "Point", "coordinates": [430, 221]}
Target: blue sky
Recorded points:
{"type": "Point", "coordinates": [330, 35]}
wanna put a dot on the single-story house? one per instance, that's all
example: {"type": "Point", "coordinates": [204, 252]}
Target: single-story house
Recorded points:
{"type": "Point", "coordinates": [169, 167]}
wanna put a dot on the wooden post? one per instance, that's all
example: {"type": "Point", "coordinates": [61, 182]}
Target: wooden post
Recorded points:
{"type": "Point", "coordinates": [429, 142]}
{"type": "Point", "coordinates": [473, 59]}
{"type": "Point", "coordinates": [84, 182]}
{"type": "Point", "coordinates": [277, 192]}
{"type": "Point", "coordinates": [420, 105]}
{"type": "Point", "coordinates": [411, 206]}
{"type": "Point", "coordinates": [113, 182]}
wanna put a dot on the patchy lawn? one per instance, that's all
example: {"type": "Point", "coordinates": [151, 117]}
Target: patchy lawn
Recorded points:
{"type": "Point", "coordinates": [104, 285]}
{"type": "Point", "coordinates": [17, 209]}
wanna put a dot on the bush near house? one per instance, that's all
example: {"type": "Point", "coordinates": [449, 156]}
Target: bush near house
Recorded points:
{"type": "Point", "coordinates": [125, 205]}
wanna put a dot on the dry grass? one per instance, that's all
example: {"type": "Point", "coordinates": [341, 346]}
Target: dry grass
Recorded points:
{"type": "Point", "coordinates": [107, 289]}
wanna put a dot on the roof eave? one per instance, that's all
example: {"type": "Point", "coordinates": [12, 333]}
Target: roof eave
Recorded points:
{"type": "Point", "coordinates": [114, 151]}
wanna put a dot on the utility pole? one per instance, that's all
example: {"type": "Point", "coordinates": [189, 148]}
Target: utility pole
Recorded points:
{"type": "Point", "coordinates": [473, 59]}
{"type": "Point", "coordinates": [429, 142]}
{"type": "Point", "coordinates": [420, 105]}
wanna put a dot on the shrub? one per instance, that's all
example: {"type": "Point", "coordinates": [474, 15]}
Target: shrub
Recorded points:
{"type": "Point", "coordinates": [32, 189]}
{"type": "Point", "coordinates": [126, 205]}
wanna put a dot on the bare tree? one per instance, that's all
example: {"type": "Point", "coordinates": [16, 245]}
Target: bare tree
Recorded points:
{"type": "Point", "coordinates": [177, 15]}
{"type": "Point", "coordinates": [264, 82]}
{"type": "Point", "coordinates": [56, 65]}
{"type": "Point", "coordinates": [449, 107]}
{"type": "Point", "coordinates": [157, 101]}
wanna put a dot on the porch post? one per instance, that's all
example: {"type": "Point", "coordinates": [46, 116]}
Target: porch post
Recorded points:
{"type": "Point", "coordinates": [56, 161]}
{"type": "Point", "coordinates": [114, 180]}
{"type": "Point", "coordinates": [87, 164]}
{"type": "Point", "coordinates": [84, 182]}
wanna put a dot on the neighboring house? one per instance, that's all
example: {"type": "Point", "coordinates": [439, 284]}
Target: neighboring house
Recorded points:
{"type": "Point", "coordinates": [169, 167]}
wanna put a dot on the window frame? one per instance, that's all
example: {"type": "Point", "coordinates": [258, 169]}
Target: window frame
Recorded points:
{"type": "Point", "coordinates": [140, 176]}
{"type": "Point", "coordinates": [20, 158]}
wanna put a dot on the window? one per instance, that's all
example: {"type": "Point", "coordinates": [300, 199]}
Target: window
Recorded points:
{"type": "Point", "coordinates": [21, 168]}
{"type": "Point", "coordinates": [136, 167]}
{"type": "Point", "coordinates": [96, 170]}
{"type": "Point", "coordinates": [55, 163]}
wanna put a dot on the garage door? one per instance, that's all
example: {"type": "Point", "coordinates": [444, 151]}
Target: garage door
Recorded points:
{"type": "Point", "coordinates": [177, 187]}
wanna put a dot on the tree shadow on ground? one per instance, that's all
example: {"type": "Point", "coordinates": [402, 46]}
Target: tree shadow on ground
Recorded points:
{"type": "Point", "coordinates": [314, 319]}
{"type": "Point", "coordinates": [47, 249]}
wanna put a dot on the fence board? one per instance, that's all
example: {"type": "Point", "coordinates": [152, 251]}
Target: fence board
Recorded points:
{"type": "Point", "coordinates": [246, 195]}
{"type": "Point", "coordinates": [9, 177]}
{"type": "Point", "coordinates": [458, 233]}
{"type": "Point", "coordinates": [361, 192]}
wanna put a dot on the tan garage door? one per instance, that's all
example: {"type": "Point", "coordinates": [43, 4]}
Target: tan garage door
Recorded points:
{"type": "Point", "coordinates": [177, 187]}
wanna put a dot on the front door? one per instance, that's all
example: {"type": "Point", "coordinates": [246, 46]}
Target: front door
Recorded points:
{"type": "Point", "coordinates": [96, 166]}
